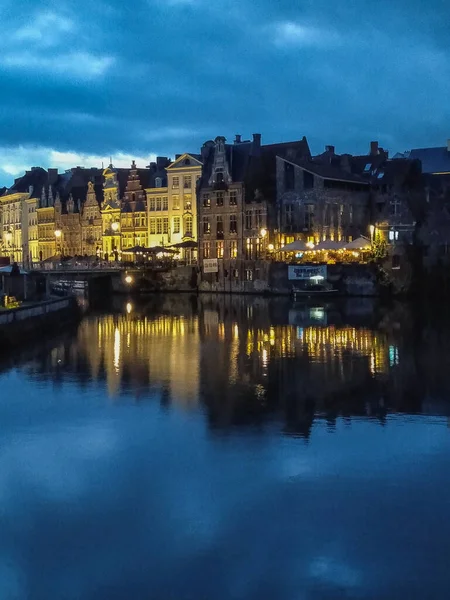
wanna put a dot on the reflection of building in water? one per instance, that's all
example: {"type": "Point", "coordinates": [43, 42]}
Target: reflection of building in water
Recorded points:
{"type": "Point", "coordinates": [250, 367]}
{"type": "Point", "coordinates": [138, 352]}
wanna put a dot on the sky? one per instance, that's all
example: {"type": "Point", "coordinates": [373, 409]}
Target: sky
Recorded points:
{"type": "Point", "coordinates": [84, 81]}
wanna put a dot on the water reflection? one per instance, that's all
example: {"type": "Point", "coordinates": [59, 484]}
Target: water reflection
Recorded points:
{"type": "Point", "coordinates": [219, 447]}
{"type": "Point", "coordinates": [250, 361]}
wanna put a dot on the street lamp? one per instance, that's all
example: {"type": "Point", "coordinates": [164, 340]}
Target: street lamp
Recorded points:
{"type": "Point", "coordinates": [58, 234]}
{"type": "Point", "coordinates": [263, 232]}
{"type": "Point", "coordinates": [115, 226]}
{"type": "Point", "coordinates": [372, 231]}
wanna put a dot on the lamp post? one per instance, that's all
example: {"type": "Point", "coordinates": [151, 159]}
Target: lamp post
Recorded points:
{"type": "Point", "coordinates": [115, 228]}
{"type": "Point", "coordinates": [58, 234]}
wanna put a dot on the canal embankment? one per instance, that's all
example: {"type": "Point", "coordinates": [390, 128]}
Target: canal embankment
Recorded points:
{"type": "Point", "coordinates": [30, 321]}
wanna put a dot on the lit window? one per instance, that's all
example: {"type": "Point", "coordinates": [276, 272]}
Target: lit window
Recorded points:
{"type": "Point", "coordinates": [219, 249]}
{"type": "Point", "coordinates": [165, 203]}
{"type": "Point", "coordinates": [233, 249]}
{"type": "Point", "coordinates": [187, 202]}
{"type": "Point", "coordinates": [166, 225]}
{"type": "Point", "coordinates": [152, 204]}
{"type": "Point", "coordinates": [206, 249]}
{"type": "Point", "coordinates": [187, 182]}
{"type": "Point", "coordinates": [159, 226]}
{"type": "Point", "coordinates": [158, 203]}
{"type": "Point", "coordinates": [176, 224]}
{"type": "Point", "coordinates": [188, 226]}
{"type": "Point", "coordinates": [175, 202]}
{"type": "Point", "coordinates": [206, 201]}
{"type": "Point", "coordinates": [248, 274]}
{"type": "Point", "coordinates": [206, 225]}
{"type": "Point", "coordinates": [175, 182]}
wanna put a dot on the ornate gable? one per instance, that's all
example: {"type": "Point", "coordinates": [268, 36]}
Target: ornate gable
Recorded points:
{"type": "Point", "coordinates": [185, 161]}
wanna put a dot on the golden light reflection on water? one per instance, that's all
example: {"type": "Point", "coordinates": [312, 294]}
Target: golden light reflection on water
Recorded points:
{"type": "Point", "coordinates": [181, 353]}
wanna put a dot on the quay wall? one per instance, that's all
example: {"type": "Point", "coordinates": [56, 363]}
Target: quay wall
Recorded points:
{"type": "Point", "coordinates": [18, 326]}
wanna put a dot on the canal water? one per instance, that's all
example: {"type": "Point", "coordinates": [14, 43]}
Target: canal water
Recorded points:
{"type": "Point", "coordinates": [229, 448]}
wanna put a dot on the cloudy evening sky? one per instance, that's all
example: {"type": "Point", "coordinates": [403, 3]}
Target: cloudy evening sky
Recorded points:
{"type": "Point", "coordinates": [86, 80]}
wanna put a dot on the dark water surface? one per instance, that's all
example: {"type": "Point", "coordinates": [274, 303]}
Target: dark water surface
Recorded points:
{"type": "Point", "coordinates": [221, 448]}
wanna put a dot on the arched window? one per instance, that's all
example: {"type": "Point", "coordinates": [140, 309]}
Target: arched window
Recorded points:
{"type": "Point", "coordinates": [158, 182]}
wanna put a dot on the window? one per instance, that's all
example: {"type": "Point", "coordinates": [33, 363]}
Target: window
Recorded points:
{"type": "Point", "coordinates": [187, 202]}
{"type": "Point", "coordinates": [175, 182]}
{"type": "Point", "coordinates": [233, 198]}
{"type": "Point", "coordinates": [233, 249]}
{"type": "Point", "coordinates": [395, 206]}
{"type": "Point", "coordinates": [166, 225]}
{"type": "Point", "coordinates": [233, 224]}
{"type": "Point", "coordinates": [289, 176]}
{"type": "Point", "coordinates": [219, 249]}
{"type": "Point", "coordinates": [159, 227]}
{"type": "Point", "coordinates": [248, 274]}
{"type": "Point", "coordinates": [142, 221]}
{"type": "Point", "coordinates": [158, 182]}
{"type": "Point", "coordinates": [206, 225]}
{"type": "Point", "coordinates": [219, 198]}
{"type": "Point", "coordinates": [176, 224]}
{"type": "Point", "coordinates": [187, 182]}
{"type": "Point", "coordinates": [206, 249]}
{"type": "Point", "coordinates": [393, 235]}
{"type": "Point", "coordinates": [188, 226]}
{"type": "Point", "coordinates": [308, 180]}
{"type": "Point", "coordinates": [309, 216]}
{"type": "Point", "coordinates": [219, 227]}
{"type": "Point", "coordinates": [258, 218]}
{"type": "Point", "coordinates": [175, 202]}
{"type": "Point", "coordinates": [158, 203]}
{"type": "Point", "coordinates": [248, 219]}
{"type": "Point", "coordinates": [152, 204]}
{"type": "Point", "coordinates": [248, 249]}
{"type": "Point", "coordinates": [165, 203]}
{"type": "Point", "coordinates": [289, 213]}
{"type": "Point", "coordinates": [206, 201]}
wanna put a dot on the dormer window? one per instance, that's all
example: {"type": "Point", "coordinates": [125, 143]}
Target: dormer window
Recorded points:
{"type": "Point", "coordinates": [158, 182]}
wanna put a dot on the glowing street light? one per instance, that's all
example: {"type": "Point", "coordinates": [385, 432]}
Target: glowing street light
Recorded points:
{"type": "Point", "coordinates": [270, 247]}
{"type": "Point", "coordinates": [58, 233]}
{"type": "Point", "coordinates": [263, 232]}
{"type": "Point", "coordinates": [115, 226]}
{"type": "Point", "coordinates": [128, 279]}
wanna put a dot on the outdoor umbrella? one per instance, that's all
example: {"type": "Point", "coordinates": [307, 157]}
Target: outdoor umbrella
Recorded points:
{"type": "Point", "coordinates": [297, 246]}
{"type": "Point", "coordinates": [158, 249]}
{"type": "Point", "coordinates": [134, 250]}
{"type": "Point", "coordinates": [330, 245]}
{"type": "Point", "coordinates": [360, 243]}
{"type": "Point", "coordinates": [187, 244]}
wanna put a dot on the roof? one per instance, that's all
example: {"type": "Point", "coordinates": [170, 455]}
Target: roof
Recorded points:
{"type": "Point", "coordinates": [35, 178]}
{"type": "Point", "coordinates": [434, 160]}
{"type": "Point", "coordinates": [327, 171]}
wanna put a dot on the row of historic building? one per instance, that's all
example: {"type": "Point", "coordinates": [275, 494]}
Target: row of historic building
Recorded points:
{"type": "Point", "coordinates": [239, 201]}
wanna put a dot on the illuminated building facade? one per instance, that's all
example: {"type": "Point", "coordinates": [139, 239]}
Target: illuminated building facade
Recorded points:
{"type": "Point", "coordinates": [237, 216]}
{"type": "Point", "coordinates": [110, 211]}
{"type": "Point", "coordinates": [91, 224]}
{"type": "Point", "coordinates": [172, 201]}
{"type": "Point", "coordinates": [133, 216]}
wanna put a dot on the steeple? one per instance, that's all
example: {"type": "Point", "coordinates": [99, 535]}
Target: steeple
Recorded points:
{"type": "Point", "coordinates": [220, 174]}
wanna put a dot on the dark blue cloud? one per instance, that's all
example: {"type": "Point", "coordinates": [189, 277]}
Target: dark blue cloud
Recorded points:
{"type": "Point", "coordinates": [161, 76]}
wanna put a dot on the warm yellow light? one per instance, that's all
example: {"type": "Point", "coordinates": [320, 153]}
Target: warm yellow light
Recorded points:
{"type": "Point", "coordinates": [270, 247]}
{"type": "Point", "coordinates": [58, 233]}
{"type": "Point", "coordinates": [310, 245]}
{"type": "Point", "coordinates": [8, 236]}
{"type": "Point", "coordinates": [128, 279]}
{"type": "Point", "coordinates": [115, 226]}
{"type": "Point", "coordinates": [263, 232]}
{"type": "Point", "coordinates": [129, 307]}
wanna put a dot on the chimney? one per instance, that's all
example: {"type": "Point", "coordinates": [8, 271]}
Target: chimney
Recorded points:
{"type": "Point", "coordinates": [373, 148]}
{"type": "Point", "coordinates": [52, 176]}
{"type": "Point", "coordinates": [238, 138]}
{"type": "Point", "coordinates": [161, 162]}
{"type": "Point", "coordinates": [256, 149]}
{"type": "Point", "coordinates": [329, 149]}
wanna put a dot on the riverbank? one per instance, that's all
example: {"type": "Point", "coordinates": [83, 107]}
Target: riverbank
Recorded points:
{"type": "Point", "coordinates": [18, 326]}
